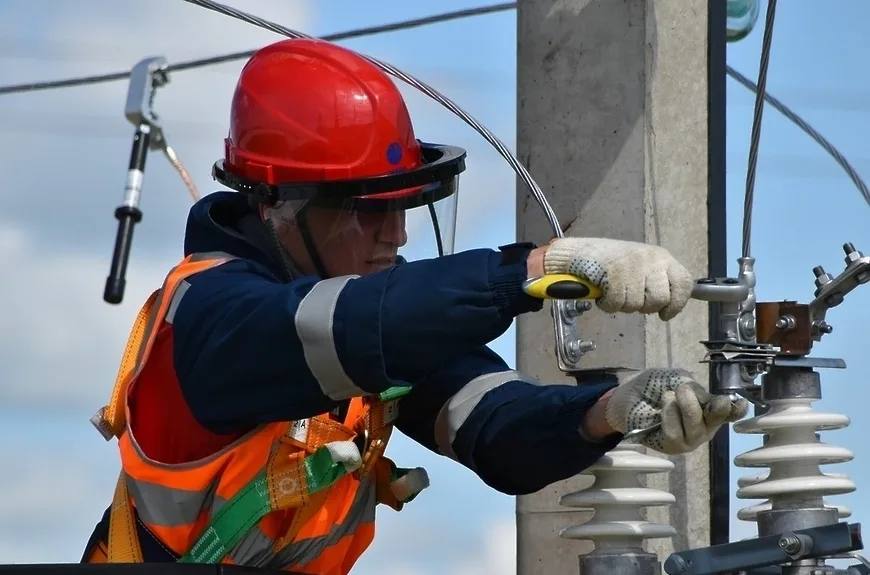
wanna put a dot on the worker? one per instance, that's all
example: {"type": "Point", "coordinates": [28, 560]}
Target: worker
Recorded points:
{"type": "Point", "coordinates": [262, 381]}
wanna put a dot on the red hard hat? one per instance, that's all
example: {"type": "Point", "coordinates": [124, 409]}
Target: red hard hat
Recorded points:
{"type": "Point", "coordinates": [311, 118]}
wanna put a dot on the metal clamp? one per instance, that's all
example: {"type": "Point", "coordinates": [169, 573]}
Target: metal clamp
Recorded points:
{"type": "Point", "coordinates": [734, 351]}
{"type": "Point", "coordinates": [815, 542]}
{"type": "Point", "coordinates": [830, 291]}
{"type": "Point", "coordinates": [570, 348]}
{"type": "Point", "coordinates": [145, 78]}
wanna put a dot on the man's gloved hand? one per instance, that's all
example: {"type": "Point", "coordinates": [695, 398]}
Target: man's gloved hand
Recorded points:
{"type": "Point", "coordinates": [632, 276]}
{"type": "Point", "coordinates": [689, 415]}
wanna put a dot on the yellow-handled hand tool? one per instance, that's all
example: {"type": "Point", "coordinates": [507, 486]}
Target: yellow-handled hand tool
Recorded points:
{"type": "Point", "coordinates": [561, 286]}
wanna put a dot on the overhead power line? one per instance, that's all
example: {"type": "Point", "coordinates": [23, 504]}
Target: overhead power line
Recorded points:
{"type": "Point", "coordinates": [200, 62]}
{"type": "Point", "coordinates": [808, 129]}
{"type": "Point", "coordinates": [434, 19]}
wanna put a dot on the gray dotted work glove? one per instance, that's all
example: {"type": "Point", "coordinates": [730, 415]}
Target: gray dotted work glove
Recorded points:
{"type": "Point", "coordinates": [632, 276]}
{"type": "Point", "coordinates": [688, 413]}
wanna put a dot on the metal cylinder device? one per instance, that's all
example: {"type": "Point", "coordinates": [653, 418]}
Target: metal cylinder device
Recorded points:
{"type": "Point", "coordinates": [618, 499]}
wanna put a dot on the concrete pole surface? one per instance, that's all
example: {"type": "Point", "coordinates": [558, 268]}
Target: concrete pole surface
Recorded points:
{"type": "Point", "coordinates": [612, 122]}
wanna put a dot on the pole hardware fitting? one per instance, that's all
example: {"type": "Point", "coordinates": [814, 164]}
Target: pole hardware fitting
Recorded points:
{"type": "Point", "coordinates": [786, 322]}
{"type": "Point", "coordinates": [831, 291]}
{"type": "Point", "coordinates": [570, 347]}
{"type": "Point", "coordinates": [735, 352]}
{"type": "Point", "coordinates": [796, 545]}
{"type": "Point", "coordinates": [576, 307]}
{"type": "Point", "coordinates": [811, 543]}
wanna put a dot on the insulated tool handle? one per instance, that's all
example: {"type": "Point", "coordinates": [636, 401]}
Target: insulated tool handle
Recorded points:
{"type": "Point", "coordinates": [128, 214]}
{"type": "Point", "coordinates": [561, 286]}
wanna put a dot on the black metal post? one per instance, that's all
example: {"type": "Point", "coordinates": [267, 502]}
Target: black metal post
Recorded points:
{"type": "Point", "coordinates": [717, 257]}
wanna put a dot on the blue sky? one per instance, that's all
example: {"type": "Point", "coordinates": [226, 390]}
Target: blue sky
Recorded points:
{"type": "Point", "coordinates": [64, 155]}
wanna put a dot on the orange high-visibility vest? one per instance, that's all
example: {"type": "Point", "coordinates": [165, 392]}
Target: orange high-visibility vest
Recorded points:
{"type": "Point", "coordinates": [178, 492]}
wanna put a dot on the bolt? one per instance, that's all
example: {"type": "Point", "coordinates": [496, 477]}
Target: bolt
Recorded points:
{"type": "Point", "coordinates": [572, 350]}
{"type": "Point", "coordinates": [586, 346]}
{"type": "Point", "coordinates": [825, 327]}
{"type": "Point", "coordinates": [706, 281]}
{"type": "Point", "coordinates": [786, 323]}
{"type": "Point", "coordinates": [573, 308]}
{"type": "Point", "coordinates": [851, 253]}
{"type": "Point", "coordinates": [790, 544]}
{"type": "Point", "coordinates": [746, 323]}
{"type": "Point", "coordinates": [822, 277]}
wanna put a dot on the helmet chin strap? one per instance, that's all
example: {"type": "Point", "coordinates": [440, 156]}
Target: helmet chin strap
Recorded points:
{"type": "Point", "coordinates": [287, 265]}
{"type": "Point", "coordinates": [308, 240]}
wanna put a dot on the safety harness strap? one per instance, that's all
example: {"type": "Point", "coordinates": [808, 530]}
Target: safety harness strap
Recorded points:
{"type": "Point", "coordinates": [123, 542]}
{"type": "Point", "coordinates": [277, 487]}
{"type": "Point", "coordinates": [111, 419]}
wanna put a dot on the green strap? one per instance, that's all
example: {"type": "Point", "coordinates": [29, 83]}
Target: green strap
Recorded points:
{"type": "Point", "coordinates": [392, 393]}
{"type": "Point", "coordinates": [241, 513]}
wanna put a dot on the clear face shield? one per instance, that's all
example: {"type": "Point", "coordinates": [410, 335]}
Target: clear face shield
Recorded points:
{"type": "Point", "coordinates": [364, 226]}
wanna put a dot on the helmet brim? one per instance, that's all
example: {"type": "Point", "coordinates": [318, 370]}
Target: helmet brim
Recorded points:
{"type": "Point", "coordinates": [434, 179]}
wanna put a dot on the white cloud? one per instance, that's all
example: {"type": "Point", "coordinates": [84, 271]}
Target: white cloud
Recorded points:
{"type": "Point", "coordinates": [59, 342]}
{"type": "Point", "coordinates": [498, 556]}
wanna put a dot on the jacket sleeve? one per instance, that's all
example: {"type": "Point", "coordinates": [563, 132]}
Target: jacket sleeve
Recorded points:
{"type": "Point", "coordinates": [517, 434]}
{"type": "Point", "coordinates": [250, 349]}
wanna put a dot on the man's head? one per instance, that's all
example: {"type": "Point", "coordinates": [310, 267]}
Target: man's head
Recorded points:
{"type": "Point", "coordinates": [321, 138]}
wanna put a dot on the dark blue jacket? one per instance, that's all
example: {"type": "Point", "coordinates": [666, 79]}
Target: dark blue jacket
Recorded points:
{"type": "Point", "coordinates": [251, 347]}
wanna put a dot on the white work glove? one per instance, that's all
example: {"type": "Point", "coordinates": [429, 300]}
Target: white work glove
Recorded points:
{"type": "Point", "coordinates": [689, 415]}
{"type": "Point", "coordinates": [632, 276]}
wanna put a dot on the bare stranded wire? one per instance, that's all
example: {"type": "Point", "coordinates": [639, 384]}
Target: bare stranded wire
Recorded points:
{"type": "Point", "coordinates": [797, 120]}
{"type": "Point", "coordinates": [755, 136]}
{"type": "Point", "coordinates": [777, 104]}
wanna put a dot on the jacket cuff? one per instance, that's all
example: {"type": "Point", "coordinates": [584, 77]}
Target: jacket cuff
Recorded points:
{"type": "Point", "coordinates": [507, 272]}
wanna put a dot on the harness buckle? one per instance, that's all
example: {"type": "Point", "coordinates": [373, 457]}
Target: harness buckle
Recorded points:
{"type": "Point", "coordinates": [98, 420]}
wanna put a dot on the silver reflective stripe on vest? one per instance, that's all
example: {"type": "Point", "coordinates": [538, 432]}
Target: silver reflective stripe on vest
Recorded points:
{"type": "Point", "coordinates": [456, 410]}
{"type": "Point", "coordinates": [165, 506]}
{"type": "Point", "coordinates": [314, 322]}
{"type": "Point", "coordinates": [305, 551]}
{"type": "Point", "coordinates": [254, 550]}
{"type": "Point", "coordinates": [182, 288]}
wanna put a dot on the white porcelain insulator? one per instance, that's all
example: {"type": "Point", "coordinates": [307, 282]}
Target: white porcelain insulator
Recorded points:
{"type": "Point", "coordinates": [792, 452]}
{"type": "Point", "coordinates": [618, 499]}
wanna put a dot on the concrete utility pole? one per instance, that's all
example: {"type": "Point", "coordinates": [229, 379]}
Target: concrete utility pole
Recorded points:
{"type": "Point", "coordinates": [613, 123]}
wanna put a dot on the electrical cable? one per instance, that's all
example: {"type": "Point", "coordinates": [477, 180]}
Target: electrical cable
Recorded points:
{"type": "Point", "coordinates": [210, 61]}
{"type": "Point", "coordinates": [423, 21]}
{"type": "Point", "coordinates": [500, 146]}
{"type": "Point", "coordinates": [444, 17]}
{"type": "Point", "coordinates": [756, 127]}
{"type": "Point", "coordinates": [780, 107]}
{"type": "Point", "coordinates": [172, 156]}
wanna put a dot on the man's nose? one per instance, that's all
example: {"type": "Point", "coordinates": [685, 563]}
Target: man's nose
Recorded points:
{"type": "Point", "coordinates": [393, 229]}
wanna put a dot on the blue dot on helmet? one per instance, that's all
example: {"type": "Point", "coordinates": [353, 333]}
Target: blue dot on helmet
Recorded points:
{"type": "Point", "coordinates": [394, 153]}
